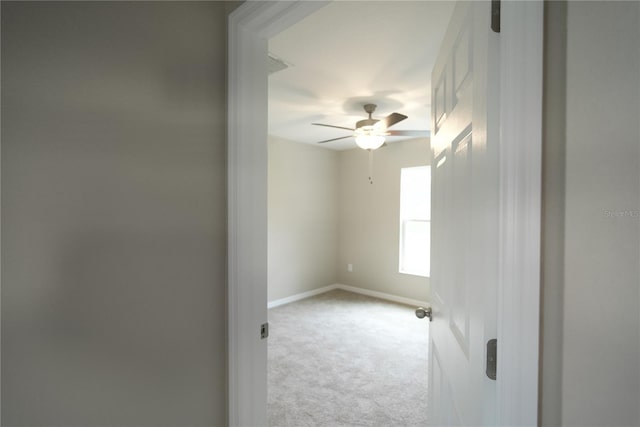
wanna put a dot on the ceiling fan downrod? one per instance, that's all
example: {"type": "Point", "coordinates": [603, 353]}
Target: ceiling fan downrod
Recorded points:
{"type": "Point", "coordinates": [369, 109]}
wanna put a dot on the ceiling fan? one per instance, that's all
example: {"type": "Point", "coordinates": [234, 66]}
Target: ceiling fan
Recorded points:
{"type": "Point", "coordinates": [370, 133]}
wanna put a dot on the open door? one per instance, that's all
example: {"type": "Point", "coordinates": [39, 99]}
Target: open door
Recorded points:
{"type": "Point", "coordinates": [465, 211]}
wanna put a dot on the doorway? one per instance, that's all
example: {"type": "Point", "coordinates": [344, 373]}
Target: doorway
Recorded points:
{"type": "Point", "coordinates": [250, 28]}
{"type": "Point", "coordinates": [327, 223]}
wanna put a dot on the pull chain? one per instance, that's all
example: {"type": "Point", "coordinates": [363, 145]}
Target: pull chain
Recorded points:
{"type": "Point", "coordinates": [370, 166]}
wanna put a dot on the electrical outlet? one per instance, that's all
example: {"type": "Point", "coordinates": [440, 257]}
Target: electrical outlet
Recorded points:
{"type": "Point", "coordinates": [350, 268]}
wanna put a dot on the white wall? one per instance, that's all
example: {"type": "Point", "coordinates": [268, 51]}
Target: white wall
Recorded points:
{"type": "Point", "coordinates": [597, 352]}
{"type": "Point", "coordinates": [113, 214]}
{"type": "Point", "coordinates": [369, 219]}
{"type": "Point", "coordinates": [302, 218]}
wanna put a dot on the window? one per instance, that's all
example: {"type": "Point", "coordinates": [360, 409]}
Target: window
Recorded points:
{"type": "Point", "coordinates": [415, 221]}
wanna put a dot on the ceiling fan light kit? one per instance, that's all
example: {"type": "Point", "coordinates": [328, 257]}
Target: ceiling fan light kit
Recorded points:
{"type": "Point", "coordinates": [369, 142]}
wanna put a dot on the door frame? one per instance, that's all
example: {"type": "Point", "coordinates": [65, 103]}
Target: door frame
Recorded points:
{"type": "Point", "coordinates": [521, 84]}
{"type": "Point", "coordinates": [250, 27]}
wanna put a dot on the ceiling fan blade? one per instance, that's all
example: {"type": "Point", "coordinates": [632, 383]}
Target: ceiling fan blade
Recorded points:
{"type": "Point", "coordinates": [335, 139]}
{"type": "Point", "coordinates": [390, 120]}
{"type": "Point", "coordinates": [416, 133]}
{"type": "Point", "coordinates": [332, 126]}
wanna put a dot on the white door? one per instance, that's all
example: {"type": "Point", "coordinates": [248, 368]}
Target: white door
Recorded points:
{"type": "Point", "coordinates": [464, 219]}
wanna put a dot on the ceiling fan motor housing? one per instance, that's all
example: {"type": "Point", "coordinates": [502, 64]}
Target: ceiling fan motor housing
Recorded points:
{"type": "Point", "coordinates": [370, 108]}
{"type": "Point", "coordinates": [369, 122]}
{"type": "Point", "coordinates": [366, 122]}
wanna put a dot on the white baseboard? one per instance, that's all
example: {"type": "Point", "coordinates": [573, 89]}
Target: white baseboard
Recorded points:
{"type": "Point", "coordinates": [381, 295]}
{"type": "Point", "coordinates": [297, 297]}
{"type": "Point", "coordinates": [368, 292]}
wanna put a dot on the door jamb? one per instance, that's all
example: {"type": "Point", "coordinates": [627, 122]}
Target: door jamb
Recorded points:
{"type": "Point", "coordinates": [521, 72]}
{"type": "Point", "coordinates": [250, 27]}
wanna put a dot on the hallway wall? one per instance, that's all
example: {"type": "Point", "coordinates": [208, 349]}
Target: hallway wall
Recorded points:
{"type": "Point", "coordinates": [602, 218]}
{"type": "Point", "coordinates": [113, 214]}
{"type": "Point", "coordinates": [591, 237]}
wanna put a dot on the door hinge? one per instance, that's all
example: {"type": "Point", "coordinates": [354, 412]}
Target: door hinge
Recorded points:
{"type": "Point", "coordinates": [492, 355]}
{"type": "Point", "coordinates": [495, 16]}
{"type": "Point", "coordinates": [264, 330]}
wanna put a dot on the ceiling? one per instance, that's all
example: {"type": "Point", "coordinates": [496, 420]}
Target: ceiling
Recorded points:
{"type": "Point", "coordinates": [350, 53]}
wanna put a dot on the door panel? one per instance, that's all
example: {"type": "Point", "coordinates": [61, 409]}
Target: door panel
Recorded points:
{"type": "Point", "coordinates": [464, 221]}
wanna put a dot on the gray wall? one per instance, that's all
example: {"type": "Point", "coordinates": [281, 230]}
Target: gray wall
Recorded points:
{"type": "Point", "coordinates": [591, 277]}
{"type": "Point", "coordinates": [553, 164]}
{"type": "Point", "coordinates": [302, 216]}
{"type": "Point", "coordinates": [369, 216]}
{"type": "Point", "coordinates": [601, 241]}
{"type": "Point", "coordinates": [324, 214]}
{"type": "Point", "coordinates": [113, 214]}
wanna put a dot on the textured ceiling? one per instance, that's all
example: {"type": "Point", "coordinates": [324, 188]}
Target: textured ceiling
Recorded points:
{"type": "Point", "coordinates": [350, 53]}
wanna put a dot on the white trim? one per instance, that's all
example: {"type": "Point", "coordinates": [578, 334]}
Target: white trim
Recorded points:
{"type": "Point", "coordinates": [354, 289]}
{"type": "Point", "coordinates": [250, 26]}
{"type": "Point", "coordinates": [303, 295]}
{"type": "Point", "coordinates": [520, 206]}
{"type": "Point", "coordinates": [518, 304]}
{"type": "Point", "coordinates": [382, 295]}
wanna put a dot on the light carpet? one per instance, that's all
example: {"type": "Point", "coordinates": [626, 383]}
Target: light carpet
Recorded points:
{"type": "Point", "coordinates": [344, 359]}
